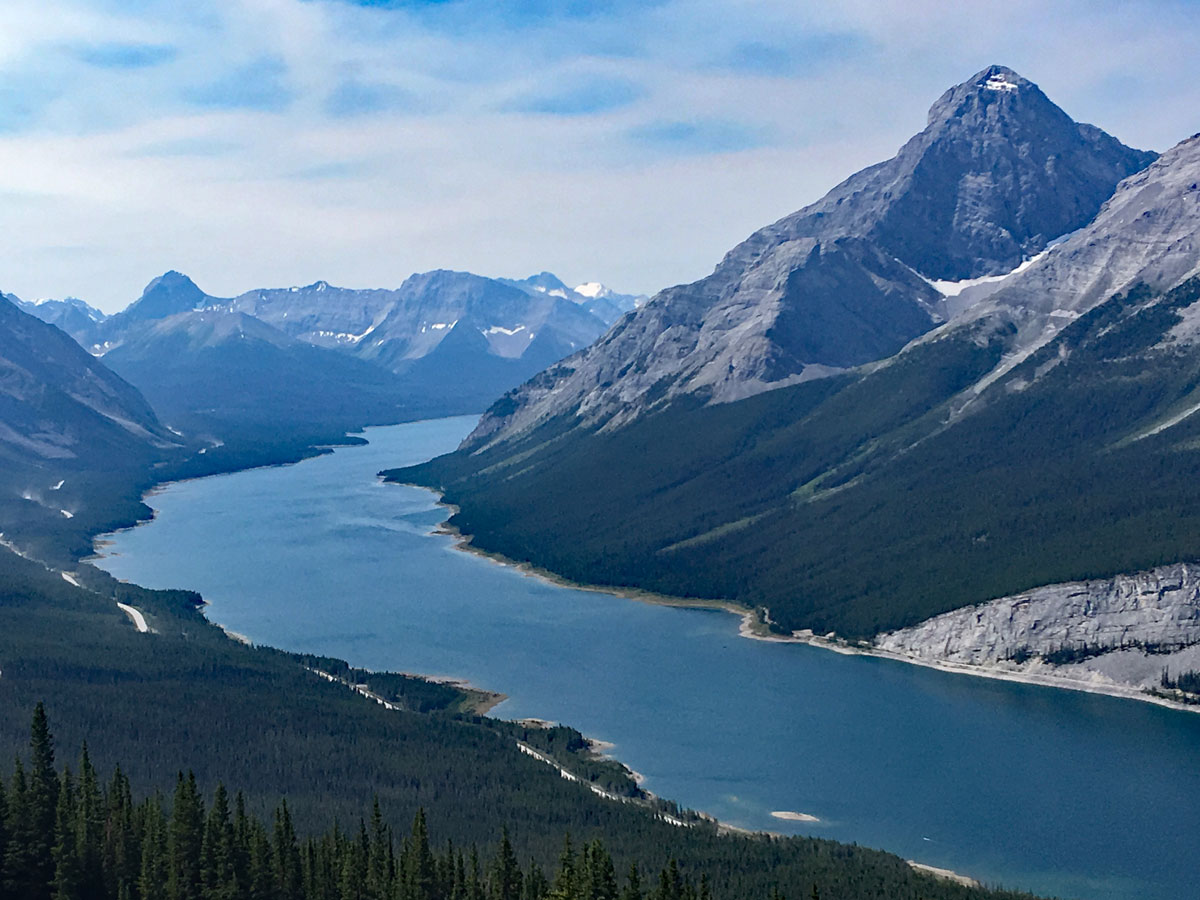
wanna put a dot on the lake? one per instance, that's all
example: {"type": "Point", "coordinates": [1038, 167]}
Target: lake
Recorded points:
{"type": "Point", "coordinates": [1061, 792]}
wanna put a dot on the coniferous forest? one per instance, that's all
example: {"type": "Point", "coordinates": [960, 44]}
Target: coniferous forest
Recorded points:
{"type": "Point", "coordinates": [73, 834]}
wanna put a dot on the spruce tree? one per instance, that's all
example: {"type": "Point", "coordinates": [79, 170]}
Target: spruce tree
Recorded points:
{"type": "Point", "coordinates": [417, 866]}
{"type": "Point", "coordinates": [41, 808]}
{"type": "Point", "coordinates": [506, 871]}
{"type": "Point", "coordinates": [566, 880]}
{"type": "Point", "coordinates": [4, 829]}
{"type": "Point", "coordinates": [185, 839]}
{"type": "Point", "coordinates": [286, 856]}
{"type": "Point", "coordinates": [152, 874]}
{"type": "Point", "coordinates": [633, 884]}
{"type": "Point", "coordinates": [379, 863]}
{"type": "Point", "coordinates": [218, 880]}
{"type": "Point", "coordinates": [89, 830]}
{"type": "Point", "coordinates": [475, 887]}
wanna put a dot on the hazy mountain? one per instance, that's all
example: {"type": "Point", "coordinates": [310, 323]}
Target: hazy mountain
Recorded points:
{"type": "Point", "coordinates": [466, 339]}
{"type": "Point", "coordinates": [320, 313]}
{"type": "Point", "coordinates": [167, 295]}
{"type": "Point", "coordinates": [996, 175]}
{"type": "Point", "coordinates": [324, 357]}
{"type": "Point", "coordinates": [215, 371]}
{"type": "Point", "coordinates": [65, 419]}
{"type": "Point", "coordinates": [72, 315]}
{"type": "Point", "coordinates": [602, 302]}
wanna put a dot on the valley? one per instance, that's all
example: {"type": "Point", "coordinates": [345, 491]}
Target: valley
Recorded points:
{"type": "Point", "coordinates": [322, 558]}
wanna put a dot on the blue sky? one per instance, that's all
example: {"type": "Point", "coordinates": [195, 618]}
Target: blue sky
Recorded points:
{"type": "Point", "coordinates": [271, 142]}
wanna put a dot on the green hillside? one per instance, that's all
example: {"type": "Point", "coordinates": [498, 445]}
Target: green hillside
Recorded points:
{"type": "Point", "coordinates": [863, 503]}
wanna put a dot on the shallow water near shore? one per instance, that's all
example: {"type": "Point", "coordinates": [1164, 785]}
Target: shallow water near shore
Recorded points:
{"type": "Point", "coordinates": [1060, 792]}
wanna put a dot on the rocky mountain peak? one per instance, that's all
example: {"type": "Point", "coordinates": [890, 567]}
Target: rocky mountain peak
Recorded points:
{"type": "Point", "coordinates": [170, 293]}
{"type": "Point", "coordinates": [998, 87]}
{"type": "Point", "coordinates": [996, 175]}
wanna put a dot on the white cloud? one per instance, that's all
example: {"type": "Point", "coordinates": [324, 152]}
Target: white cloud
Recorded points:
{"type": "Point", "coordinates": [113, 176]}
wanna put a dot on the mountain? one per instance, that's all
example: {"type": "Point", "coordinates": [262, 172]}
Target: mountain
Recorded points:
{"type": "Point", "coordinates": [320, 360]}
{"type": "Point", "coordinates": [1045, 435]}
{"type": "Point", "coordinates": [1147, 233]}
{"type": "Point", "coordinates": [72, 315]}
{"type": "Point", "coordinates": [320, 313]}
{"type": "Point", "coordinates": [218, 372]}
{"type": "Point", "coordinates": [465, 339]}
{"type": "Point", "coordinates": [167, 295]}
{"type": "Point", "coordinates": [997, 174]}
{"type": "Point", "coordinates": [602, 302]}
{"type": "Point", "coordinates": [70, 429]}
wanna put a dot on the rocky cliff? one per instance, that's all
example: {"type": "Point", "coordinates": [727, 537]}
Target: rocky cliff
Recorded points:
{"type": "Point", "coordinates": [998, 173]}
{"type": "Point", "coordinates": [1124, 630]}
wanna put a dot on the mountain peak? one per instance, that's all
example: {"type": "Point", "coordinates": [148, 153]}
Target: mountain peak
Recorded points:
{"type": "Point", "coordinates": [168, 294]}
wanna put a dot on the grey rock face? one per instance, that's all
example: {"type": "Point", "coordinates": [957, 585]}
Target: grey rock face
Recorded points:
{"type": "Point", "coordinates": [319, 313]}
{"type": "Point", "coordinates": [72, 315]}
{"type": "Point", "coordinates": [1149, 231]}
{"type": "Point", "coordinates": [602, 302]}
{"type": "Point", "coordinates": [58, 403]}
{"type": "Point", "coordinates": [1118, 616]}
{"type": "Point", "coordinates": [998, 173]}
{"type": "Point", "coordinates": [504, 321]}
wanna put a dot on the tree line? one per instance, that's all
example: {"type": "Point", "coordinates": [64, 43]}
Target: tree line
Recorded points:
{"type": "Point", "coordinates": [66, 836]}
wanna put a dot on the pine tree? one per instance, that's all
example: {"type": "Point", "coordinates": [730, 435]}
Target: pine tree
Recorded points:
{"type": "Point", "coordinates": [185, 839]}
{"type": "Point", "coordinates": [506, 871]}
{"type": "Point", "coordinates": [218, 880]}
{"type": "Point", "coordinates": [152, 874]}
{"type": "Point", "coordinates": [89, 830]}
{"type": "Point", "coordinates": [66, 883]}
{"type": "Point", "coordinates": [633, 884]}
{"type": "Point", "coordinates": [41, 808]}
{"type": "Point", "coordinates": [286, 853]}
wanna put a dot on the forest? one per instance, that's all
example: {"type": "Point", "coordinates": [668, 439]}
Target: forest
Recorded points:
{"type": "Point", "coordinates": [76, 835]}
{"type": "Point", "coordinates": [816, 500]}
{"type": "Point", "coordinates": [187, 698]}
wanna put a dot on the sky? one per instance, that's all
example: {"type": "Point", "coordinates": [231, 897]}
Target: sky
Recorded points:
{"type": "Point", "coordinates": [265, 143]}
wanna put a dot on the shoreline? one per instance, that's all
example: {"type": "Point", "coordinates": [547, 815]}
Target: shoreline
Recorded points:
{"type": "Point", "coordinates": [480, 701]}
{"type": "Point", "coordinates": [752, 628]}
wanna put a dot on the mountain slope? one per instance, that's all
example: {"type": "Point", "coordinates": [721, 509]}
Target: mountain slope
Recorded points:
{"type": "Point", "coordinates": [72, 315]}
{"type": "Point", "coordinates": [224, 373]}
{"type": "Point", "coordinates": [996, 175]}
{"type": "Point", "coordinates": [319, 313]}
{"type": "Point", "coordinates": [602, 302]}
{"type": "Point", "coordinates": [73, 435]}
{"type": "Point", "coordinates": [463, 339]}
{"type": "Point", "coordinates": [978, 463]}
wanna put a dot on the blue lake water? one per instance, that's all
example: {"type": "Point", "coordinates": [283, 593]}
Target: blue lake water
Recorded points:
{"type": "Point", "coordinates": [1038, 788]}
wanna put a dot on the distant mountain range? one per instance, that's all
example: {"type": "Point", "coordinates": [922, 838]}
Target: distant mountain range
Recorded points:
{"type": "Point", "coordinates": [968, 371]}
{"type": "Point", "coordinates": [321, 358]}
